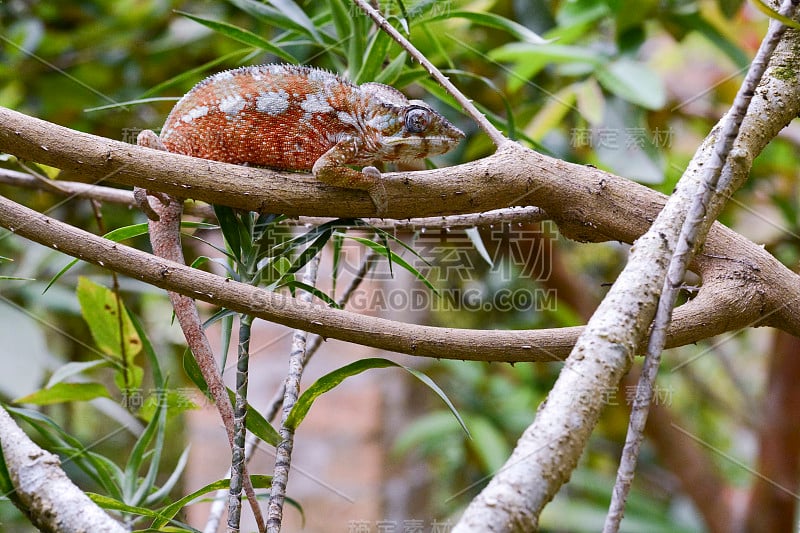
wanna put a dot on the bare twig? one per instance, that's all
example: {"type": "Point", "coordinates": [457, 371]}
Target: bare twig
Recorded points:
{"type": "Point", "coordinates": [542, 345]}
{"type": "Point", "coordinates": [100, 193]}
{"type": "Point", "coordinates": [494, 134]}
{"type": "Point", "coordinates": [701, 214]}
{"type": "Point", "coordinates": [283, 453]}
{"type": "Point", "coordinates": [238, 457]}
{"type": "Point", "coordinates": [533, 474]}
{"type": "Point", "coordinates": [165, 239]}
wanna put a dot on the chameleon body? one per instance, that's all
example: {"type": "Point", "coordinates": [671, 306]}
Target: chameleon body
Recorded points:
{"type": "Point", "coordinates": [305, 119]}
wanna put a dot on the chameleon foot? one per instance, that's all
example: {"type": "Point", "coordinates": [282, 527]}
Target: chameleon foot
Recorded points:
{"type": "Point", "coordinates": [377, 191]}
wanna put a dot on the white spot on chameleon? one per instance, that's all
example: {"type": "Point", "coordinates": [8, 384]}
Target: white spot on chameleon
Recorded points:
{"type": "Point", "coordinates": [224, 75]}
{"type": "Point", "coordinates": [231, 105]}
{"type": "Point", "coordinates": [315, 104]}
{"type": "Point", "coordinates": [273, 103]}
{"type": "Point", "coordinates": [195, 112]}
{"type": "Point", "coordinates": [347, 118]}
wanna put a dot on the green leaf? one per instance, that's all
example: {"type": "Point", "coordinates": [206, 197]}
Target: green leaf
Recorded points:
{"type": "Point", "coordinates": [633, 81]}
{"type": "Point", "coordinates": [127, 232]}
{"type": "Point", "coordinates": [332, 379]}
{"type": "Point", "coordinates": [386, 252]}
{"type": "Point", "coordinates": [115, 505]}
{"type": "Point", "coordinates": [294, 284]}
{"type": "Point", "coordinates": [475, 237]}
{"type": "Point", "coordinates": [169, 512]}
{"type": "Point", "coordinates": [590, 101]}
{"type": "Point", "coordinates": [71, 369]}
{"type": "Point", "coordinates": [136, 489]}
{"type": "Point", "coordinates": [106, 316]}
{"type": "Point", "coordinates": [194, 73]}
{"type": "Point", "coordinates": [312, 250]}
{"type": "Point", "coordinates": [243, 36]}
{"type": "Point", "coordinates": [255, 421]}
{"type": "Point", "coordinates": [66, 392]}
{"type": "Point", "coordinates": [392, 71]}
{"type": "Point", "coordinates": [492, 20]}
{"type": "Point", "coordinates": [172, 481]}
{"type": "Point", "coordinates": [375, 56]}
{"type": "Point", "coordinates": [696, 22]}
{"type": "Point", "coordinates": [149, 351]}
{"type": "Point", "coordinates": [100, 469]}
{"type": "Point", "coordinates": [552, 113]}
{"type": "Point", "coordinates": [229, 224]}
{"type": "Point", "coordinates": [284, 15]}
{"type": "Point", "coordinates": [257, 424]}
{"type": "Point", "coordinates": [771, 13]}
{"type": "Point", "coordinates": [488, 443]}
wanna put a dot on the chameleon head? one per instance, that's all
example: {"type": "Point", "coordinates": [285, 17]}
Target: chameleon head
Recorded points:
{"type": "Point", "coordinates": [417, 132]}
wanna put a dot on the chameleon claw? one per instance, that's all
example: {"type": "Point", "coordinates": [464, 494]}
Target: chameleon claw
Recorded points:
{"type": "Point", "coordinates": [377, 191]}
{"type": "Point", "coordinates": [140, 198]}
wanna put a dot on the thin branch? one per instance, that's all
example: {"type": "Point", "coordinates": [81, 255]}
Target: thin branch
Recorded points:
{"type": "Point", "coordinates": [99, 193]}
{"type": "Point", "coordinates": [494, 134]}
{"type": "Point", "coordinates": [283, 453]}
{"type": "Point", "coordinates": [544, 345]}
{"type": "Point", "coordinates": [533, 474]}
{"type": "Point", "coordinates": [165, 240]}
{"type": "Point", "coordinates": [700, 216]}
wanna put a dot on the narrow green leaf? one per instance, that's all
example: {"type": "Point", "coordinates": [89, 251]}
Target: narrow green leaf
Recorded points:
{"type": "Point", "coordinates": [280, 17]}
{"type": "Point", "coordinates": [392, 71]}
{"type": "Point", "coordinates": [771, 13]}
{"type": "Point", "coordinates": [332, 379]}
{"type": "Point", "coordinates": [115, 505]}
{"type": "Point", "coordinates": [492, 20]}
{"type": "Point", "coordinates": [488, 443]}
{"type": "Point", "coordinates": [240, 34]}
{"type": "Point", "coordinates": [294, 284]}
{"type": "Point", "coordinates": [127, 232]}
{"type": "Point", "coordinates": [194, 73]}
{"type": "Point", "coordinates": [100, 469]}
{"type": "Point", "coordinates": [171, 482]}
{"type": "Point", "coordinates": [475, 237]}
{"type": "Point", "coordinates": [256, 423]}
{"type": "Point", "coordinates": [71, 369]}
{"type": "Point", "coordinates": [66, 392]}
{"type": "Point", "coordinates": [169, 512]}
{"type": "Point", "coordinates": [312, 250]}
{"type": "Point", "coordinates": [136, 488]}
{"type": "Point", "coordinates": [229, 224]}
{"type": "Point", "coordinates": [590, 101]}
{"type": "Point", "coordinates": [386, 252]}
{"type": "Point", "coordinates": [149, 351]}
{"type": "Point", "coordinates": [375, 56]}
{"type": "Point", "coordinates": [131, 102]}
{"type": "Point", "coordinates": [552, 113]}
{"type": "Point", "coordinates": [342, 20]}
{"type": "Point", "coordinates": [294, 13]}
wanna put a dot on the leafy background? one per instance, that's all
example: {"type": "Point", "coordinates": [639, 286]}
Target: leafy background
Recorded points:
{"type": "Point", "coordinates": [631, 87]}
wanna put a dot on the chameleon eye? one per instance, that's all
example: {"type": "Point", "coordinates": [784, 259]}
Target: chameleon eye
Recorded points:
{"type": "Point", "coordinates": [417, 119]}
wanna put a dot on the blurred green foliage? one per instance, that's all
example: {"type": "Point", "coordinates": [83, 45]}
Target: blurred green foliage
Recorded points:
{"type": "Point", "coordinates": [631, 87]}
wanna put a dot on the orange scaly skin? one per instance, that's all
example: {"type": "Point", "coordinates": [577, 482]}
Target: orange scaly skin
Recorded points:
{"type": "Point", "coordinates": [300, 118]}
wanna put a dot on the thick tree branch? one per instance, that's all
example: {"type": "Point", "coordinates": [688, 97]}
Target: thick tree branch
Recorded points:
{"type": "Point", "coordinates": [545, 345]}
{"type": "Point", "coordinates": [587, 203]}
{"type": "Point", "coordinates": [533, 474]}
{"type": "Point", "coordinates": [45, 493]}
